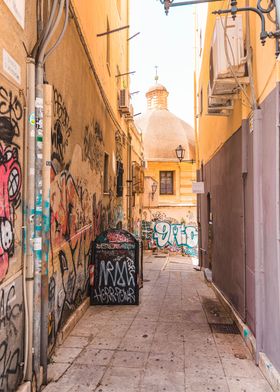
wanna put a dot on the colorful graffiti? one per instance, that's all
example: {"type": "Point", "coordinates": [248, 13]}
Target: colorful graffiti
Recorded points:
{"type": "Point", "coordinates": [172, 236]}
{"type": "Point", "coordinates": [11, 114]}
{"type": "Point", "coordinates": [61, 131]}
{"type": "Point", "coordinates": [71, 236]}
{"type": "Point", "coordinates": [11, 336]}
{"type": "Point", "coordinates": [93, 146]}
{"type": "Point", "coordinates": [77, 212]}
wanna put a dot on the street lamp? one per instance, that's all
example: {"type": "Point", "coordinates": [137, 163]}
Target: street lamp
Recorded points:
{"type": "Point", "coordinates": [170, 3]}
{"type": "Point", "coordinates": [154, 189]}
{"type": "Point", "coordinates": [167, 4]}
{"type": "Point", "coordinates": [180, 153]}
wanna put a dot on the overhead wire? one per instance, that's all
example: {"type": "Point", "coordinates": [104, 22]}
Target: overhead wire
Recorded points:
{"type": "Point", "coordinates": [53, 27]}
{"type": "Point", "coordinates": [45, 31]}
{"type": "Point", "coordinates": [49, 52]}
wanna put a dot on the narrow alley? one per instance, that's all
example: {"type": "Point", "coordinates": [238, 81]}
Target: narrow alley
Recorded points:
{"type": "Point", "coordinates": [131, 128]}
{"type": "Point", "coordinates": [165, 344]}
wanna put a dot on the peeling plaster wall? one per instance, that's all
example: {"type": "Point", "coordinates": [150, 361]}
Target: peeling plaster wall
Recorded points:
{"type": "Point", "coordinates": [82, 132]}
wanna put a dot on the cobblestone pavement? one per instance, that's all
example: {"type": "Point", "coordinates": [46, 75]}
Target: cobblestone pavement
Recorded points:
{"type": "Point", "coordinates": [165, 344]}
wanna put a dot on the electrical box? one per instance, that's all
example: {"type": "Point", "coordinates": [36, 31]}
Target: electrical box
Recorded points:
{"type": "Point", "coordinates": [227, 38]}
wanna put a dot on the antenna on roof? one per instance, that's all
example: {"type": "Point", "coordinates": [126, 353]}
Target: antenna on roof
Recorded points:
{"type": "Point", "coordinates": [156, 77]}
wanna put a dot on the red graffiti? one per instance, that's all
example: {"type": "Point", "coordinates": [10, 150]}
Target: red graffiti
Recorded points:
{"type": "Point", "coordinates": [10, 185]}
{"type": "Point", "coordinates": [118, 237]}
{"type": "Point", "coordinates": [91, 274]}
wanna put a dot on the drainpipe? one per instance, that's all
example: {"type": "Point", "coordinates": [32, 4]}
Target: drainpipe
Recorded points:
{"type": "Point", "coordinates": [46, 226]}
{"type": "Point", "coordinates": [244, 163]}
{"type": "Point", "coordinates": [277, 4]}
{"type": "Point", "coordinates": [277, 130]}
{"type": "Point", "coordinates": [28, 260]}
{"type": "Point", "coordinates": [38, 218]}
{"type": "Point", "coordinates": [39, 110]}
{"type": "Point", "coordinates": [129, 183]}
{"type": "Point", "coordinates": [245, 148]}
{"type": "Point", "coordinates": [258, 230]}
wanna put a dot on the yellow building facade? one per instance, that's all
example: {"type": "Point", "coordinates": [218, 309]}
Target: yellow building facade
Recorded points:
{"type": "Point", "coordinates": [169, 206]}
{"type": "Point", "coordinates": [237, 101]}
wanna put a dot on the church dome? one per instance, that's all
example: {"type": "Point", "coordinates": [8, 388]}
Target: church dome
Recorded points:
{"type": "Point", "coordinates": [162, 131]}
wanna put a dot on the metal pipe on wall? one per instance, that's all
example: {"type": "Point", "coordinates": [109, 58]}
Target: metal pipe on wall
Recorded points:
{"type": "Point", "coordinates": [258, 230]}
{"type": "Point", "coordinates": [38, 218]}
{"type": "Point", "coordinates": [244, 163]}
{"type": "Point", "coordinates": [129, 183]}
{"type": "Point", "coordinates": [277, 5]}
{"type": "Point", "coordinates": [52, 25]}
{"type": "Point", "coordinates": [48, 104]}
{"type": "Point", "coordinates": [29, 260]}
{"type": "Point", "coordinates": [277, 138]}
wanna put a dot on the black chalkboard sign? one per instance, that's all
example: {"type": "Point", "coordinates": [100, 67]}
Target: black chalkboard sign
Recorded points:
{"type": "Point", "coordinates": [114, 275]}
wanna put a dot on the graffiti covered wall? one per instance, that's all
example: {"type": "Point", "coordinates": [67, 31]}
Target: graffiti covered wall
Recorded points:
{"type": "Point", "coordinates": [78, 211]}
{"type": "Point", "coordinates": [11, 118]}
{"type": "Point", "coordinates": [11, 305]}
{"type": "Point", "coordinates": [11, 335]}
{"type": "Point", "coordinates": [82, 135]}
{"type": "Point", "coordinates": [167, 233]}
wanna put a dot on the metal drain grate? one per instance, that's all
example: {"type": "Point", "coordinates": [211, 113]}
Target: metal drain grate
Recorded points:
{"type": "Point", "coordinates": [146, 280]}
{"type": "Point", "coordinates": [160, 256]}
{"type": "Point", "coordinates": [225, 328]}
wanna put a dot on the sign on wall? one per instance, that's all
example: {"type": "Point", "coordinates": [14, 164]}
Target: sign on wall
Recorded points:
{"type": "Point", "coordinates": [198, 187]}
{"type": "Point", "coordinates": [17, 8]}
{"type": "Point", "coordinates": [11, 67]}
{"type": "Point", "coordinates": [114, 275]}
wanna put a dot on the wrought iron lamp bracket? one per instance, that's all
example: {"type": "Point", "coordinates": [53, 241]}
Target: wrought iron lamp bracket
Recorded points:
{"type": "Point", "coordinates": [260, 11]}
{"type": "Point", "coordinates": [233, 10]}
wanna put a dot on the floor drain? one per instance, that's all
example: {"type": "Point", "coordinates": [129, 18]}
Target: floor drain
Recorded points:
{"type": "Point", "coordinates": [146, 280]}
{"type": "Point", "coordinates": [225, 328]}
{"type": "Point", "coordinates": [160, 256]}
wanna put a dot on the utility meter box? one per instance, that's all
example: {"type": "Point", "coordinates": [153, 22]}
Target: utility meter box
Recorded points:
{"type": "Point", "coordinates": [227, 38]}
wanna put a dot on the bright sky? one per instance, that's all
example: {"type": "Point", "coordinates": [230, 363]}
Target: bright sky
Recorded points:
{"type": "Point", "coordinates": [168, 42]}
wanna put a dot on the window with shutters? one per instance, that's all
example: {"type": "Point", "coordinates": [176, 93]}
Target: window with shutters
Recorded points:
{"type": "Point", "coordinates": [108, 48]}
{"type": "Point", "coordinates": [135, 177]}
{"type": "Point", "coordinates": [119, 179]}
{"type": "Point", "coordinates": [166, 182]}
{"type": "Point", "coordinates": [106, 173]}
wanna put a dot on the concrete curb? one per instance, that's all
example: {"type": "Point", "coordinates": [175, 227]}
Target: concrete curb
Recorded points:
{"type": "Point", "coordinates": [270, 373]}
{"type": "Point", "coordinates": [266, 367]}
{"type": "Point", "coordinates": [72, 321]}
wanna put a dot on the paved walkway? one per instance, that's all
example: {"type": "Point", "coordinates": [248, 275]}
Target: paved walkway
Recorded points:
{"type": "Point", "coordinates": [165, 344]}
